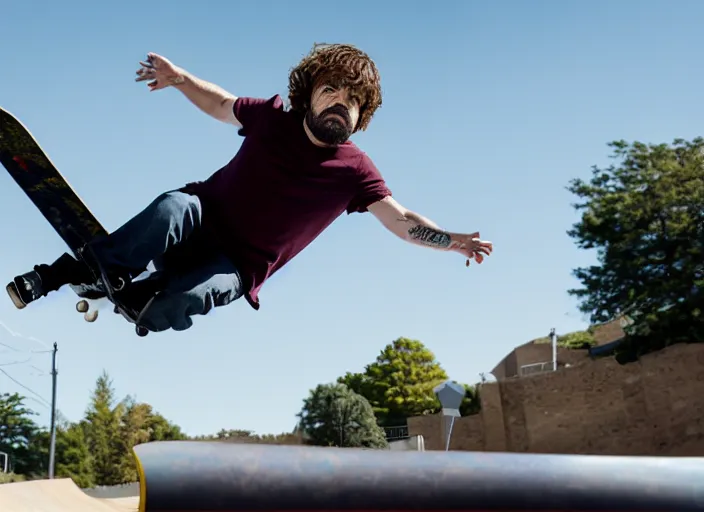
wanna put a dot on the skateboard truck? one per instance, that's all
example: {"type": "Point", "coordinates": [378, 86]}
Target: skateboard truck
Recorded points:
{"type": "Point", "coordinates": [87, 254]}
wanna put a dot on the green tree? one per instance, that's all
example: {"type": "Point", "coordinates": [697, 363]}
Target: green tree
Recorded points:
{"type": "Point", "coordinates": [247, 436]}
{"type": "Point", "coordinates": [93, 451]}
{"type": "Point", "coordinates": [161, 429]}
{"type": "Point", "coordinates": [645, 218]}
{"type": "Point", "coordinates": [72, 457]}
{"type": "Point", "coordinates": [571, 340]}
{"type": "Point", "coordinates": [235, 435]}
{"type": "Point", "coordinates": [399, 384]}
{"type": "Point", "coordinates": [470, 403]}
{"type": "Point", "coordinates": [103, 433]}
{"type": "Point", "coordinates": [18, 431]}
{"type": "Point", "coordinates": [334, 415]}
{"type": "Point", "coordinates": [133, 430]}
{"type": "Point", "coordinates": [140, 424]}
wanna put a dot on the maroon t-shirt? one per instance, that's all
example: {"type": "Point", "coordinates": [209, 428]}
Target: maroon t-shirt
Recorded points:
{"type": "Point", "coordinates": [280, 191]}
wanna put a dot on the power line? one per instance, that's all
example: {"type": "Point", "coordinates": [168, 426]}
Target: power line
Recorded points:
{"type": "Point", "coordinates": [46, 402]}
{"type": "Point", "coordinates": [31, 398]}
{"type": "Point", "coordinates": [11, 363]}
{"type": "Point", "coordinates": [11, 347]}
{"type": "Point", "coordinates": [15, 349]}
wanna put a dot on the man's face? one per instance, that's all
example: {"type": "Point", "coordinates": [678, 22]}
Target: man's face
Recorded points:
{"type": "Point", "coordinates": [334, 113]}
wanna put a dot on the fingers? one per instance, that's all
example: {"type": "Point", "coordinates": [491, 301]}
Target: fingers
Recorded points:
{"type": "Point", "coordinates": [148, 67]}
{"type": "Point", "coordinates": [156, 60]}
{"type": "Point", "coordinates": [155, 65]}
{"type": "Point", "coordinates": [155, 85]}
{"type": "Point", "coordinates": [146, 72]}
{"type": "Point", "coordinates": [477, 250]}
{"type": "Point", "coordinates": [484, 249]}
{"type": "Point", "coordinates": [143, 75]}
{"type": "Point", "coordinates": [476, 256]}
{"type": "Point", "coordinates": [149, 73]}
{"type": "Point", "coordinates": [474, 248]}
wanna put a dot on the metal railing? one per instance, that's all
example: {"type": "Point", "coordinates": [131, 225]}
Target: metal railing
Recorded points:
{"type": "Point", "coordinates": [396, 433]}
{"type": "Point", "coordinates": [535, 368]}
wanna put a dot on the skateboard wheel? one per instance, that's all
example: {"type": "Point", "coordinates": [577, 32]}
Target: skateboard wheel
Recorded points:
{"type": "Point", "coordinates": [82, 306]}
{"type": "Point", "coordinates": [141, 331]}
{"type": "Point", "coordinates": [91, 316]}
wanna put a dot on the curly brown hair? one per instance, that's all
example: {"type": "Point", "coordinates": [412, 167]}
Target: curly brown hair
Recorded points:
{"type": "Point", "coordinates": [340, 65]}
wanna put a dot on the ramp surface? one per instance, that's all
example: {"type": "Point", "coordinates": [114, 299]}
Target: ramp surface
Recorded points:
{"type": "Point", "coordinates": [59, 495]}
{"type": "Point", "coordinates": [180, 476]}
{"type": "Point", "coordinates": [219, 476]}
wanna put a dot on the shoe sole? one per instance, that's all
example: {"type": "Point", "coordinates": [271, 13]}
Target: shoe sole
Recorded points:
{"type": "Point", "coordinates": [15, 296]}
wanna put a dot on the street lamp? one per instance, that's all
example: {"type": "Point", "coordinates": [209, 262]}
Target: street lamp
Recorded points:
{"type": "Point", "coordinates": [450, 395]}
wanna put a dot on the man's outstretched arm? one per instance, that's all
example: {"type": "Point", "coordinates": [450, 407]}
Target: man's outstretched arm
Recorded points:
{"type": "Point", "coordinates": [418, 230]}
{"type": "Point", "coordinates": [208, 97]}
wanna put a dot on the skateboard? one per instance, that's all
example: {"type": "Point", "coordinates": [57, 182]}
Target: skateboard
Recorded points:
{"type": "Point", "coordinates": [45, 186]}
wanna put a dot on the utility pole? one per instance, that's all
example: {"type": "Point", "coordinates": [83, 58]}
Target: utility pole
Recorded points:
{"type": "Point", "coordinates": [52, 446]}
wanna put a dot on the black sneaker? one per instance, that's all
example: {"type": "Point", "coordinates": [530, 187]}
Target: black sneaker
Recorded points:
{"type": "Point", "coordinates": [25, 289]}
{"type": "Point", "coordinates": [44, 279]}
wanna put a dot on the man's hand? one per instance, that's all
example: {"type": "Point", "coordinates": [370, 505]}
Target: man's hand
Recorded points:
{"type": "Point", "coordinates": [211, 99]}
{"type": "Point", "coordinates": [471, 246]}
{"type": "Point", "coordinates": [419, 230]}
{"type": "Point", "coordinates": [160, 71]}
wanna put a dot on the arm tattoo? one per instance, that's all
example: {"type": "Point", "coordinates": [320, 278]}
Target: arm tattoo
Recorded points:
{"type": "Point", "coordinates": [176, 80]}
{"type": "Point", "coordinates": [429, 236]}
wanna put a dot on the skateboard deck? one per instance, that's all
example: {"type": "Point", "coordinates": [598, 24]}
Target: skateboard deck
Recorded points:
{"type": "Point", "coordinates": [30, 167]}
{"type": "Point", "coordinates": [44, 185]}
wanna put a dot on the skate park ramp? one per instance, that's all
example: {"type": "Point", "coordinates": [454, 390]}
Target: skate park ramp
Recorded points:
{"type": "Point", "coordinates": [58, 495]}
{"type": "Point", "coordinates": [180, 476]}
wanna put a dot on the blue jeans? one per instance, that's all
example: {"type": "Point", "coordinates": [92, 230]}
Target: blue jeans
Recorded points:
{"type": "Point", "coordinates": [194, 278]}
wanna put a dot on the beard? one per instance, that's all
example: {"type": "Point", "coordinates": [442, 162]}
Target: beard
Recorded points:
{"type": "Point", "coordinates": [328, 128]}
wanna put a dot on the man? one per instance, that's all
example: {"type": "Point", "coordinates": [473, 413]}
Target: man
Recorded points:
{"type": "Point", "coordinates": [217, 240]}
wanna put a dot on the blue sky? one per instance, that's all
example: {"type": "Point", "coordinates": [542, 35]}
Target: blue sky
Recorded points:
{"type": "Point", "coordinates": [489, 110]}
